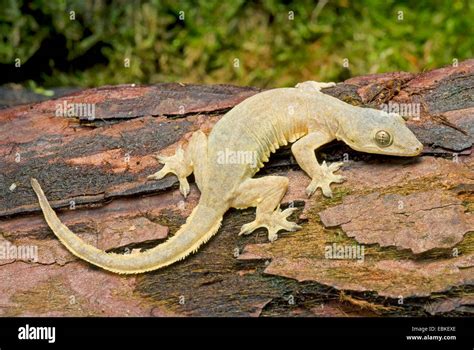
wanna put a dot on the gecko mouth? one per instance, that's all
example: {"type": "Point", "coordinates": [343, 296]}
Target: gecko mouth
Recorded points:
{"type": "Point", "coordinates": [406, 152]}
{"type": "Point", "coordinates": [410, 153]}
{"type": "Point", "coordinates": [413, 152]}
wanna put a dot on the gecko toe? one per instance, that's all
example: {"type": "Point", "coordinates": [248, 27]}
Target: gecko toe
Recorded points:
{"type": "Point", "coordinates": [156, 176]}
{"type": "Point", "coordinates": [184, 187]}
{"type": "Point", "coordinates": [335, 166]}
{"type": "Point", "coordinates": [338, 179]}
{"type": "Point", "coordinates": [311, 189]}
{"type": "Point", "coordinates": [248, 228]}
{"type": "Point", "coordinates": [161, 159]}
{"type": "Point", "coordinates": [272, 236]}
{"type": "Point", "coordinates": [288, 211]}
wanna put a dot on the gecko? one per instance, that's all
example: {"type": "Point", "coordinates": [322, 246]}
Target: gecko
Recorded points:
{"type": "Point", "coordinates": [224, 164]}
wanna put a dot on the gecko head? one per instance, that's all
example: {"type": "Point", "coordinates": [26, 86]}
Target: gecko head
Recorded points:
{"type": "Point", "coordinates": [376, 131]}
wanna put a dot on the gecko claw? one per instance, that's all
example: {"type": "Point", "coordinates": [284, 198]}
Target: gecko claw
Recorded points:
{"type": "Point", "coordinates": [184, 187]}
{"type": "Point", "coordinates": [334, 166]}
{"type": "Point", "coordinates": [248, 228]}
{"type": "Point", "coordinates": [311, 189]}
{"type": "Point", "coordinates": [159, 174]}
{"type": "Point", "coordinates": [161, 159]}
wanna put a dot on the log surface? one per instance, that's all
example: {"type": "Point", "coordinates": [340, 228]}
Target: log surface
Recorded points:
{"type": "Point", "coordinates": [412, 216]}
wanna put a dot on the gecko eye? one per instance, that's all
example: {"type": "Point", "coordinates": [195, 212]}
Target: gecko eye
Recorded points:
{"type": "Point", "coordinates": [383, 138]}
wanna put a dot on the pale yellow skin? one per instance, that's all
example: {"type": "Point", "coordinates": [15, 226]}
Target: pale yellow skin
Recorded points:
{"type": "Point", "coordinates": [256, 127]}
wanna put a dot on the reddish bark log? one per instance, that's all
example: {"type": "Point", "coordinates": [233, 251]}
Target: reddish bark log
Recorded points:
{"type": "Point", "coordinates": [94, 171]}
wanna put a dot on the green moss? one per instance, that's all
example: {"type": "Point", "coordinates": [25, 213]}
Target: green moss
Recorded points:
{"type": "Point", "coordinates": [338, 194]}
{"type": "Point", "coordinates": [269, 43]}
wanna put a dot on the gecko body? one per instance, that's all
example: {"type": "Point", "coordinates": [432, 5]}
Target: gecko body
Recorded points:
{"type": "Point", "coordinates": [225, 162]}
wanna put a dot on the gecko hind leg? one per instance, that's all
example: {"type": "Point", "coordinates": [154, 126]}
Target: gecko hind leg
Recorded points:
{"type": "Point", "coordinates": [184, 162]}
{"type": "Point", "coordinates": [265, 193]}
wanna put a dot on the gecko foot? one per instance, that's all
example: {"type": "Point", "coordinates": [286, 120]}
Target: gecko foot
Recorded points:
{"type": "Point", "coordinates": [324, 180]}
{"type": "Point", "coordinates": [273, 222]}
{"type": "Point", "coordinates": [177, 165]}
{"type": "Point", "coordinates": [314, 85]}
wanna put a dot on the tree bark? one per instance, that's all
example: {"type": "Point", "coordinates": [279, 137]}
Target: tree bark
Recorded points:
{"type": "Point", "coordinates": [412, 216]}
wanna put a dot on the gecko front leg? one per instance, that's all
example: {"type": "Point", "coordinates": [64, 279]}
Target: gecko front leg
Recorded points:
{"type": "Point", "coordinates": [321, 175]}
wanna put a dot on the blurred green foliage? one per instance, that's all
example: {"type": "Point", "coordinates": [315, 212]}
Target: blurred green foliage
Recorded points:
{"type": "Point", "coordinates": [245, 43]}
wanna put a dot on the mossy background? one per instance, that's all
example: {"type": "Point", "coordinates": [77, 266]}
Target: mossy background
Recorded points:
{"type": "Point", "coordinates": [255, 43]}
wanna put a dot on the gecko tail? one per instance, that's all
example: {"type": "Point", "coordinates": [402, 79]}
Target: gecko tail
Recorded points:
{"type": "Point", "coordinates": [200, 226]}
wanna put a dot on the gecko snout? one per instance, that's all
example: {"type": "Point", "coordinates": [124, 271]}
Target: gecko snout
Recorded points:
{"type": "Point", "coordinates": [418, 148]}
